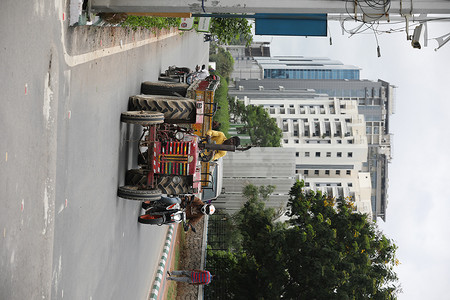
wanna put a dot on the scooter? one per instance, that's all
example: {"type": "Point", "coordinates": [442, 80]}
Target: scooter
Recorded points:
{"type": "Point", "coordinates": [167, 210]}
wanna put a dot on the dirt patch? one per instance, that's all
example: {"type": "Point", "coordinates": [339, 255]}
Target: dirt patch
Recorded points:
{"type": "Point", "coordinates": [85, 39]}
{"type": "Point", "coordinates": [190, 258]}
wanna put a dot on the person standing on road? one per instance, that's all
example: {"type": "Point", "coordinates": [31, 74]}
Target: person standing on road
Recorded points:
{"type": "Point", "coordinates": [197, 277]}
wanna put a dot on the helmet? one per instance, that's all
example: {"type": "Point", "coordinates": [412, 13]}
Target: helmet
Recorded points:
{"type": "Point", "coordinates": [208, 209]}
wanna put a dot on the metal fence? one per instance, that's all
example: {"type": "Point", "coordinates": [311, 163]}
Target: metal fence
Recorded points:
{"type": "Point", "coordinates": [218, 239]}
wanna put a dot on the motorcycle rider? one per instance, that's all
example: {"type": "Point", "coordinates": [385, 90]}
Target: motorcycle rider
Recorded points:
{"type": "Point", "coordinates": [195, 209]}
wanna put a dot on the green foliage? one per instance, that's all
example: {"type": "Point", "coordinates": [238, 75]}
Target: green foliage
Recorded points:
{"type": "Point", "coordinates": [344, 255]}
{"type": "Point", "coordinates": [222, 115]}
{"type": "Point", "coordinates": [231, 30]}
{"type": "Point", "coordinates": [152, 23]}
{"type": "Point", "coordinates": [325, 251]}
{"type": "Point", "coordinates": [262, 129]}
{"type": "Point", "coordinates": [224, 62]}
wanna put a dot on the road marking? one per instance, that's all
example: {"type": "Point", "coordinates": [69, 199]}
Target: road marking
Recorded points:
{"type": "Point", "coordinates": [6, 156]}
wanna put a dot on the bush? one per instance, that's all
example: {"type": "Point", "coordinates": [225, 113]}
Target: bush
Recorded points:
{"type": "Point", "coordinates": [222, 115]}
{"type": "Point", "coordinates": [224, 62]}
{"type": "Point", "coordinates": [152, 23]}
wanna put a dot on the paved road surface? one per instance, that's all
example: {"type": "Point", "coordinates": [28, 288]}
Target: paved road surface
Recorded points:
{"type": "Point", "coordinates": [63, 152]}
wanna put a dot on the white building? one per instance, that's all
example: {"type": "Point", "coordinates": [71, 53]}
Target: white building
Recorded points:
{"type": "Point", "coordinates": [329, 138]}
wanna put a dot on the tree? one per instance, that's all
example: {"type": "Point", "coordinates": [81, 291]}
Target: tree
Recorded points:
{"type": "Point", "coordinates": [231, 30]}
{"type": "Point", "coordinates": [224, 62]}
{"type": "Point", "coordinates": [336, 253]}
{"type": "Point", "coordinates": [262, 129]}
{"type": "Point", "coordinates": [252, 271]}
{"type": "Point", "coordinates": [326, 250]}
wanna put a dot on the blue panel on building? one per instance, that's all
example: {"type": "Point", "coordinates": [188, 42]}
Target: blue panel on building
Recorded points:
{"type": "Point", "coordinates": [291, 24]}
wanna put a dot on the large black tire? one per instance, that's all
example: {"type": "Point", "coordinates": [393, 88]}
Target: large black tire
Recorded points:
{"type": "Point", "coordinates": [175, 109]}
{"type": "Point", "coordinates": [133, 193]}
{"type": "Point", "coordinates": [144, 118]}
{"type": "Point", "coordinates": [167, 186]}
{"type": "Point", "coordinates": [164, 88]}
{"type": "Point", "coordinates": [151, 219]}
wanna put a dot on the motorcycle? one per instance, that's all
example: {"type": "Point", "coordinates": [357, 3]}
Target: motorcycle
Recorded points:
{"type": "Point", "coordinates": [184, 75]}
{"type": "Point", "coordinates": [167, 210]}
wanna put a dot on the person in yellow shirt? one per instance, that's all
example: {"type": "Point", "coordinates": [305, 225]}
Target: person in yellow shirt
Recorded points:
{"type": "Point", "coordinates": [219, 138]}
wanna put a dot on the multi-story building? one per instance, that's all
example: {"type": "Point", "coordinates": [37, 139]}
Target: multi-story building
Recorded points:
{"type": "Point", "coordinates": [330, 144]}
{"type": "Point", "coordinates": [255, 62]}
{"type": "Point", "coordinates": [375, 101]}
{"type": "Point", "coordinates": [260, 167]}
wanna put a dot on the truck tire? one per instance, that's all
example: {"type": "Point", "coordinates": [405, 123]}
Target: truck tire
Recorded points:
{"type": "Point", "coordinates": [164, 88]}
{"type": "Point", "coordinates": [151, 219]}
{"type": "Point", "coordinates": [167, 185]}
{"type": "Point", "coordinates": [131, 192]}
{"type": "Point", "coordinates": [144, 118]}
{"type": "Point", "coordinates": [175, 109]}
{"type": "Point", "coordinates": [135, 177]}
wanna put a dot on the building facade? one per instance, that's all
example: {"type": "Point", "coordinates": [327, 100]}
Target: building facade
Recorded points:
{"type": "Point", "coordinates": [374, 99]}
{"type": "Point", "coordinates": [250, 66]}
{"type": "Point", "coordinates": [260, 167]}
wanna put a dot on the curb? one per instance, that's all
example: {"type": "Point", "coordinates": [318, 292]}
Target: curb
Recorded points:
{"type": "Point", "coordinates": [162, 264]}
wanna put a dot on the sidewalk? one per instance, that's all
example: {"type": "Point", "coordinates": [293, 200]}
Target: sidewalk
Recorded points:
{"type": "Point", "coordinates": [159, 288]}
{"type": "Point", "coordinates": [190, 258]}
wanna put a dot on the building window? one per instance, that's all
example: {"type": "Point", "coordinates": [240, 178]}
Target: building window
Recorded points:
{"type": "Point", "coordinates": [306, 172]}
{"type": "Point", "coordinates": [349, 141]}
{"type": "Point", "coordinates": [338, 172]}
{"type": "Point", "coordinates": [306, 154]}
{"type": "Point", "coordinates": [339, 141]}
{"type": "Point", "coordinates": [350, 154]}
{"type": "Point", "coordinates": [297, 154]}
{"type": "Point", "coordinates": [316, 172]}
{"type": "Point", "coordinates": [328, 154]}
{"type": "Point", "coordinates": [339, 154]}
{"type": "Point", "coordinates": [317, 154]}
{"type": "Point", "coordinates": [349, 184]}
{"type": "Point", "coordinates": [306, 184]}
{"type": "Point", "coordinates": [348, 172]}
{"type": "Point", "coordinates": [296, 141]}
{"type": "Point", "coordinates": [285, 141]}
{"type": "Point", "coordinates": [327, 172]}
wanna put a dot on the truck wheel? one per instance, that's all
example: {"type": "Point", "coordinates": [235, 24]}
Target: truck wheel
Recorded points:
{"type": "Point", "coordinates": [135, 177]}
{"type": "Point", "coordinates": [144, 118]}
{"type": "Point", "coordinates": [131, 192]}
{"type": "Point", "coordinates": [164, 88]}
{"type": "Point", "coordinates": [169, 186]}
{"type": "Point", "coordinates": [151, 219]}
{"type": "Point", "coordinates": [175, 109]}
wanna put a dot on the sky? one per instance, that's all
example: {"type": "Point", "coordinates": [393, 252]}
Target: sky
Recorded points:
{"type": "Point", "coordinates": [418, 210]}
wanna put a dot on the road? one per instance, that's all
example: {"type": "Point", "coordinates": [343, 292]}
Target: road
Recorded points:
{"type": "Point", "coordinates": [63, 152]}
